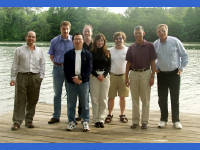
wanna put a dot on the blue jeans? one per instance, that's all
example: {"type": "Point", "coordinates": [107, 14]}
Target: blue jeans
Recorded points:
{"type": "Point", "coordinates": [58, 80]}
{"type": "Point", "coordinates": [81, 91]}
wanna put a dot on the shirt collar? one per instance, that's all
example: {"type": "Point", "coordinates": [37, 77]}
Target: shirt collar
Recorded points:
{"type": "Point", "coordinates": [69, 38]}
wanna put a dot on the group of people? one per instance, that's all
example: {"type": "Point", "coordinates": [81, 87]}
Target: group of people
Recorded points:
{"type": "Point", "coordinates": [88, 67]}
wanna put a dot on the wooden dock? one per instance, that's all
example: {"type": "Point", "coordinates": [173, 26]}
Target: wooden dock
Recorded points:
{"type": "Point", "coordinates": [115, 132]}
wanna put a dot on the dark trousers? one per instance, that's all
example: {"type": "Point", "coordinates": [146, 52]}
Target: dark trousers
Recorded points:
{"type": "Point", "coordinates": [27, 91]}
{"type": "Point", "coordinates": [168, 81]}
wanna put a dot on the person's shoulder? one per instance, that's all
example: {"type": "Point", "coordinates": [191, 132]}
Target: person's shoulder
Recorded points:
{"type": "Point", "coordinates": [71, 51]}
{"type": "Point", "coordinates": [55, 39]}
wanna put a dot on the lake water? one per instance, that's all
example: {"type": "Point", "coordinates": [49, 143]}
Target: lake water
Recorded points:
{"type": "Point", "coordinates": [189, 95]}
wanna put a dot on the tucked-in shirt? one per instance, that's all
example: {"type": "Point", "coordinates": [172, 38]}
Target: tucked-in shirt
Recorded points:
{"type": "Point", "coordinates": [78, 62]}
{"type": "Point", "coordinates": [141, 56]}
{"type": "Point", "coordinates": [171, 54]}
{"type": "Point", "coordinates": [59, 46]}
{"type": "Point", "coordinates": [100, 63]}
{"type": "Point", "coordinates": [118, 62]}
{"type": "Point", "coordinates": [26, 60]}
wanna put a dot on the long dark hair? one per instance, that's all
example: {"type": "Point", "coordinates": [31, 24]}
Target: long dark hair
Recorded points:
{"type": "Point", "coordinates": [104, 48]}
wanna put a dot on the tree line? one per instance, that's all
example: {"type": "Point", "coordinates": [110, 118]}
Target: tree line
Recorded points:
{"type": "Point", "coordinates": [183, 22]}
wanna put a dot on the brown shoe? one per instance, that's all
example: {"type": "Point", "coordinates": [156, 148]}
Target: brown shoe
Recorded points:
{"type": "Point", "coordinates": [29, 125]}
{"type": "Point", "coordinates": [15, 127]}
{"type": "Point", "coordinates": [53, 120]}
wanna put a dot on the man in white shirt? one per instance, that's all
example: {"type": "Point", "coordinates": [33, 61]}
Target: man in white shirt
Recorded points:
{"type": "Point", "coordinates": [117, 77]}
{"type": "Point", "coordinates": [27, 73]}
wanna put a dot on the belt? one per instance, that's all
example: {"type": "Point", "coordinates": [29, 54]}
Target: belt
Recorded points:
{"type": "Point", "coordinates": [28, 73]}
{"type": "Point", "coordinates": [140, 70]}
{"type": "Point", "coordinates": [58, 64]}
{"type": "Point", "coordinates": [116, 74]}
{"type": "Point", "coordinates": [169, 72]}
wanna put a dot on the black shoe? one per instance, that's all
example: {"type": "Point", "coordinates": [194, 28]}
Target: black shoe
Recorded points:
{"type": "Point", "coordinates": [97, 124]}
{"type": "Point", "coordinates": [78, 119]}
{"type": "Point", "coordinates": [15, 127]}
{"type": "Point", "coordinates": [144, 126]}
{"type": "Point", "coordinates": [134, 126]}
{"type": "Point", "coordinates": [101, 124]}
{"type": "Point", "coordinates": [29, 125]}
{"type": "Point", "coordinates": [53, 120]}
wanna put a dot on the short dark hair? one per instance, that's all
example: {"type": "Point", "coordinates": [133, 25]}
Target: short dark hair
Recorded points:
{"type": "Point", "coordinates": [78, 33]}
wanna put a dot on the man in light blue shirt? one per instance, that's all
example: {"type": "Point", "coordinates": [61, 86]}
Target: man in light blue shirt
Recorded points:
{"type": "Point", "coordinates": [59, 46]}
{"type": "Point", "coordinates": [171, 59]}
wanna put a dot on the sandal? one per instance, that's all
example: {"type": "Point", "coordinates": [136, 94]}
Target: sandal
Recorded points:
{"type": "Point", "coordinates": [108, 119]}
{"type": "Point", "coordinates": [123, 118]}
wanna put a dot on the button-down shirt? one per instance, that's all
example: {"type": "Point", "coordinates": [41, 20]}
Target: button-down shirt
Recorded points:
{"type": "Point", "coordinates": [59, 46]}
{"type": "Point", "coordinates": [141, 55]}
{"type": "Point", "coordinates": [26, 60]}
{"type": "Point", "coordinates": [171, 54]}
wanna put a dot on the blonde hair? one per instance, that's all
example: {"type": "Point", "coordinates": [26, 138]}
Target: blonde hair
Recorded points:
{"type": "Point", "coordinates": [162, 25]}
{"type": "Point", "coordinates": [116, 34]}
{"type": "Point", "coordinates": [65, 23]}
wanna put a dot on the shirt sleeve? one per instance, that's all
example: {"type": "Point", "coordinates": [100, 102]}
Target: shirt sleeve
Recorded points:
{"type": "Point", "coordinates": [128, 55]}
{"type": "Point", "coordinates": [42, 65]}
{"type": "Point", "coordinates": [182, 54]}
{"type": "Point", "coordinates": [51, 48]}
{"type": "Point", "coordinates": [14, 69]}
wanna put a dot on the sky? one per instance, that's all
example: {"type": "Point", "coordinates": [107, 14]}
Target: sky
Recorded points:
{"type": "Point", "coordinates": [120, 10]}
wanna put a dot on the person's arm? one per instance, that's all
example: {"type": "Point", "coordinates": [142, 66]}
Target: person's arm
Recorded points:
{"type": "Point", "coordinates": [128, 65]}
{"type": "Point", "coordinates": [183, 55]}
{"type": "Point", "coordinates": [51, 58]}
{"type": "Point", "coordinates": [42, 65]}
{"type": "Point", "coordinates": [14, 68]}
{"type": "Point", "coordinates": [153, 70]}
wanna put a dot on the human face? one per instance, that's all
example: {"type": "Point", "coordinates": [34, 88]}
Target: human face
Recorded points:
{"type": "Point", "coordinates": [119, 41]}
{"type": "Point", "coordinates": [30, 38]}
{"type": "Point", "coordinates": [65, 29]}
{"type": "Point", "coordinates": [87, 33]}
{"type": "Point", "coordinates": [78, 42]}
{"type": "Point", "coordinates": [139, 35]}
{"type": "Point", "coordinates": [162, 33]}
{"type": "Point", "coordinates": [100, 43]}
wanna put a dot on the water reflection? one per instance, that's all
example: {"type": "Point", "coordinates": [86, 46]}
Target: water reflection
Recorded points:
{"type": "Point", "coordinates": [190, 84]}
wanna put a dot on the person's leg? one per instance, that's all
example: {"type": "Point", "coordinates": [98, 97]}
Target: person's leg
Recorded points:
{"type": "Point", "coordinates": [103, 98]}
{"type": "Point", "coordinates": [33, 92]}
{"type": "Point", "coordinates": [162, 83]}
{"type": "Point", "coordinates": [58, 79]}
{"type": "Point", "coordinates": [111, 104]}
{"type": "Point", "coordinates": [94, 93]}
{"type": "Point", "coordinates": [174, 87]}
{"type": "Point", "coordinates": [134, 87]}
{"type": "Point", "coordinates": [83, 93]}
{"type": "Point", "coordinates": [112, 93]}
{"type": "Point", "coordinates": [20, 98]}
{"type": "Point", "coordinates": [145, 90]}
{"type": "Point", "coordinates": [122, 105]}
{"type": "Point", "coordinates": [72, 93]}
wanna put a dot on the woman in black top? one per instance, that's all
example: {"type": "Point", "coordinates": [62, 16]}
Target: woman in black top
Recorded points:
{"type": "Point", "coordinates": [100, 79]}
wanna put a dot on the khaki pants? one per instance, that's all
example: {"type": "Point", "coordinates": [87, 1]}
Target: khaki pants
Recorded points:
{"type": "Point", "coordinates": [27, 90]}
{"type": "Point", "coordinates": [140, 88]}
{"type": "Point", "coordinates": [99, 95]}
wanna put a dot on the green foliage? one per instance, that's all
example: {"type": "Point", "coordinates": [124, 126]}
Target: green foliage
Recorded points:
{"type": "Point", "coordinates": [15, 22]}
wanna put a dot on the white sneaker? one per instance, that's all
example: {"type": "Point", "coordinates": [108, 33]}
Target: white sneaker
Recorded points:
{"type": "Point", "coordinates": [85, 126]}
{"type": "Point", "coordinates": [162, 124]}
{"type": "Point", "coordinates": [178, 125]}
{"type": "Point", "coordinates": [71, 126]}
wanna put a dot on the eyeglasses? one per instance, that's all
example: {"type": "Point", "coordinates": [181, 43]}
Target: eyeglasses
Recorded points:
{"type": "Point", "coordinates": [120, 39]}
{"type": "Point", "coordinates": [78, 39]}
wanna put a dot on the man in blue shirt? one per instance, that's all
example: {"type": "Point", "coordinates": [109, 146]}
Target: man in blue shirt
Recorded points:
{"type": "Point", "coordinates": [59, 46]}
{"type": "Point", "coordinates": [171, 59]}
